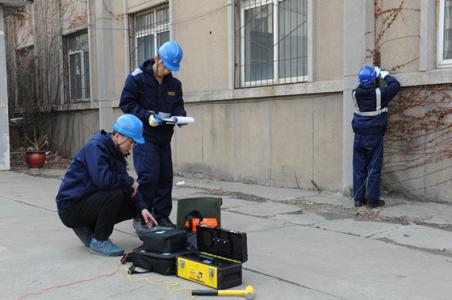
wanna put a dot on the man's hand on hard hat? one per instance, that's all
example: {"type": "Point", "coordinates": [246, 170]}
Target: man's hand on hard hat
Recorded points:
{"type": "Point", "coordinates": [134, 187]}
{"type": "Point", "coordinates": [148, 218]}
{"type": "Point", "coordinates": [155, 120]}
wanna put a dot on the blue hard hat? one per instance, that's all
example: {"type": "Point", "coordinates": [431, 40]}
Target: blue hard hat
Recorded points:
{"type": "Point", "coordinates": [171, 54]}
{"type": "Point", "coordinates": [367, 74]}
{"type": "Point", "coordinates": [130, 126]}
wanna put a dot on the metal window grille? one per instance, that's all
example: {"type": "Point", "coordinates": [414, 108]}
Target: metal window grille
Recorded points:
{"type": "Point", "coordinates": [77, 66]}
{"type": "Point", "coordinates": [273, 37]}
{"type": "Point", "coordinates": [149, 30]}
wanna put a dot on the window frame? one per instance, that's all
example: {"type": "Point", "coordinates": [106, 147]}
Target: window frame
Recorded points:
{"type": "Point", "coordinates": [441, 29]}
{"type": "Point", "coordinates": [153, 30]}
{"type": "Point", "coordinates": [85, 70]}
{"type": "Point", "coordinates": [245, 5]}
{"type": "Point", "coordinates": [85, 90]}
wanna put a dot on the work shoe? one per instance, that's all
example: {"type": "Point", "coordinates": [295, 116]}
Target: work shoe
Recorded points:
{"type": "Point", "coordinates": [84, 234]}
{"type": "Point", "coordinates": [106, 248]}
{"type": "Point", "coordinates": [360, 203]}
{"type": "Point", "coordinates": [380, 203]}
{"type": "Point", "coordinates": [166, 222]}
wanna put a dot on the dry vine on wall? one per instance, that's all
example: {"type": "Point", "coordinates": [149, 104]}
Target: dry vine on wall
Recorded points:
{"type": "Point", "coordinates": [418, 145]}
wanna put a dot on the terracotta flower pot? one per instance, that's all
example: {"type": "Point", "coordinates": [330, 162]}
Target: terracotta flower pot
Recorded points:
{"type": "Point", "coordinates": [35, 159]}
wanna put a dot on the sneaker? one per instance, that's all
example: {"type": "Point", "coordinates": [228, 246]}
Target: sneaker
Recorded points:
{"type": "Point", "coordinates": [379, 203]}
{"type": "Point", "coordinates": [166, 222]}
{"type": "Point", "coordinates": [84, 234]}
{"type": "Point", "coordinates": [106, 248]}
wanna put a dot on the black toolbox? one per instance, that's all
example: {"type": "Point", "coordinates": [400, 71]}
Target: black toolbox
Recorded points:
{"type": "Point", "coordinates": [162, 263]}
{"type": "Point", "coordinates": [163, 239]}
{"type": "Point", "coordinates": [218, 262]}
{"type": "Point", "coordinates": [161, 246]}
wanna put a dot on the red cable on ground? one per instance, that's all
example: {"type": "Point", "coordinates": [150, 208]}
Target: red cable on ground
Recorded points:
{"type": "Point", "coordinates": [71, 283]}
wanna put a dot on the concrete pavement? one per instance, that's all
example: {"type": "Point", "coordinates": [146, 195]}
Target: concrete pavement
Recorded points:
{"type": "Point", "coordinates": [301, 245]}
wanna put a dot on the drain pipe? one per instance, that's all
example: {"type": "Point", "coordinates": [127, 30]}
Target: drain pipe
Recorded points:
{"type": "Point", "coordinates": [90, 31]}
{"type": "Point", "coordinates": [126, 37]}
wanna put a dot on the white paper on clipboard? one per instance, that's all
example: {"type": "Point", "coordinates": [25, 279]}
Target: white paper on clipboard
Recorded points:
{"type": "Point", "coordinates": [179, 120]}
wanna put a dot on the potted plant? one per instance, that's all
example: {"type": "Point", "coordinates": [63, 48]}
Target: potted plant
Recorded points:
{"type": "Point", "coordinates": [35, 155]}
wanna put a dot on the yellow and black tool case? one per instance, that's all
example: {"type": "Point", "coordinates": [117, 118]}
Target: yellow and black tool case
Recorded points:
{"type": "Point", "coordinates": [218, 262]}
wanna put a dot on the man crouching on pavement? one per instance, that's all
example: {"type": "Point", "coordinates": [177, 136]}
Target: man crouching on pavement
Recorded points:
{"type": "Point", "coordinates": [96, 192]}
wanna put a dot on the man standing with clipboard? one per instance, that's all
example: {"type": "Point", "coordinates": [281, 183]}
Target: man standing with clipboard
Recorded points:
{"type": "Point", "coordinates": [152, 94]}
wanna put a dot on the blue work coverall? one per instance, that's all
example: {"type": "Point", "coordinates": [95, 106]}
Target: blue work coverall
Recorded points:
{"type": "Point", "coordinates": [96, 189]}
{"type": "Point", "coordinates": [369, 124]}
{"type": "Point", "coordinates": [142, 96]}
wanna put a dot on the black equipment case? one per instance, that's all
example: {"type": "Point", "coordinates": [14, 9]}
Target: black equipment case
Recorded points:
{"type": "Point", "coordinates": [162, 263]}
{"type": "Point", "coordinates": [218, 262]}
{"type": "Point", "coordinates": [161, 246]}
{"type": "Point", "coordinates": [164, 240]}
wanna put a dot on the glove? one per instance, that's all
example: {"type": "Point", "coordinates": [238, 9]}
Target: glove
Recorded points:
{"type": "Point", "coordinates": [155, 120]}
{"type": "Point", "coordinates": [383, 74]}
{"type": "Point", "coordinates": [377, 69]}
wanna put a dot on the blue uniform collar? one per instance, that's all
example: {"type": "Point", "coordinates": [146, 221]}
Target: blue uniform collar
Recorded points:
{"type": "Point", "coordinates": [367, 85]}
{"type": "Point", "coordinates": [107, 138]}
{"type": "Point", "coordinates": [146, 67]}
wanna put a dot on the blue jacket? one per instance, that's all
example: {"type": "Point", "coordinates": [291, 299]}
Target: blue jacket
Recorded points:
{"type": "Point", "coordinates": [99, 165]}
{"type": "Point", "coordinates": [366, 99]}
{"type": "Point", "coordinates": [142, 95]}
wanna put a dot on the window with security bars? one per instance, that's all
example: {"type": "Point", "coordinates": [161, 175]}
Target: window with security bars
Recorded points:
{"type": "Point", "coordinates": [273, 37]}
{"type": "Point", "coordinates": [76, 67]}
{"type": "Point", "coordinates": [150, 29]}
{"type": "Point", "coordinates": [445, 32]}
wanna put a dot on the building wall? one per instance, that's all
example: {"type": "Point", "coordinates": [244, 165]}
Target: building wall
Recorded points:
{"type": "Point", "coordinates": [399, 44]}
{"type": "Point", "coordinates": [92, 35]}
{"type": "Point", "coordinates": [206, 53]}
{"type": "Point", "coordinates": [201, 27]}
{"type": "Point", "coordinates": [418, 157]}
{"type": "Point", "coordinates": [328, 39]}
{"type": "Point", "coordinates": [285, 141]}
{"type": "Point", "coordinates": [70, 130]}
{"type": "Point", "coordinates": [73, 15]}
{"type": "Point", "coordinates": [120, 47]}
{"type": "Point", "coordinates": [24, 23]}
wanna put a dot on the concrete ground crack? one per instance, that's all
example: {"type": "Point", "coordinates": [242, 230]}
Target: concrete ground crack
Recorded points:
{"type": "Point", "coordinates": [384, 231]}
{"type": "Point", "coordinates": [293, 283]}
{"type": "Point", "coordinates": [34, 205]}
{"type": "Point", "coordinates": [238, 195]}
{"type": "Point", "coordinates": [245, 214]}
{"type": "Point", "coordinates": [431, 251]}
